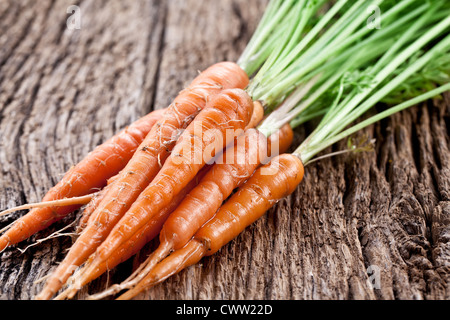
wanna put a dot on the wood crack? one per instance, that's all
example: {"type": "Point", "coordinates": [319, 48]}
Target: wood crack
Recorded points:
{"type": "Point", "coordinates": [160, 54]}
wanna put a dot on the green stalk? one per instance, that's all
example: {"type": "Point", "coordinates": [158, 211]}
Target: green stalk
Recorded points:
{"type": "Point", "coordinates": [432, 53]}
{"type": "Point", "coordinates": [287, 38]}
{"type": "Point", "coordinates": [360, 54]}
{"type": "Point", "coordinates": [302, 71]}
{"type": "Point", "coordinates": [338, 122]}
{"type": "Point", "coordinates": [307, 116]}
{"type": "Point", "coordinates": [306, 153]}
{"type": "Point", "coordinates": [350, 114]}
{"type": "Point", "coordinates": [339, 68]}
{"type": "Point", "coordinates": [252, 63]}
{"type": "Point", "coordinates": [273, 16]}
{"type": "Point", "coordinates": [328, 134]}
{"type": "Point", "coordinates": [292, 53]}
{"type": "Point", "coordinates": [273, 89]}
{"type": "Point", "coordinates": [264, 73]}
{"type": "Point", "coordinates": [388, 55]}
{"type": "Point", "coordinates": [308, 10]}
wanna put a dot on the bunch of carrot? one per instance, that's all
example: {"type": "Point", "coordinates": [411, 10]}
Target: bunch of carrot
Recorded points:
{"type": "Point", "coordinates": [197, 191]}
{"type": "Point", "coordinates": [393, 71]}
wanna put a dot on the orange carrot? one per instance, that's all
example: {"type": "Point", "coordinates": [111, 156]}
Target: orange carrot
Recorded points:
{"type": "Point", "coordinates": [236, 165]}
{"type": "Point", "coordinates": [198, 207]}
{"type": "Point", "coordinates": [231, 109]}
{"type": "Point", "coordinates": [257, 116]}
{"type": "Point", "coordinates": [92, 205]}
{"type": "Point", "coordinates": [280, 141]}
{"type": "Point", "coordinates": [144, 165]}
{"type": "Point", "coordinates": [270, 183]}
{"type": "Point", "coordinates": [132, 246]}
{"type": "Point", "coordinates": [89, 175]}
{"type": "Point", "coordinates": [87, 212]}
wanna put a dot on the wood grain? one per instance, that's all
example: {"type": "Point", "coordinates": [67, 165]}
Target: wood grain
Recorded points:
{"type": "Point", "coordinates": [373, 225]}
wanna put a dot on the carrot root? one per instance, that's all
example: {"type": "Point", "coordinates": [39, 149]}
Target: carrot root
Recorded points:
{"type": "Point", "coordinates": [136, 276]}
{"type": "Point", "coordinates": [55, 203]}
{"type": "Point", "coordinates": [54, 235]}
{"type": "Point", "coordinates": [174, 263]}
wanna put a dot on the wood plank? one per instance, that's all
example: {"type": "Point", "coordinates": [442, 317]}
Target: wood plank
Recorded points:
{"type": "Point", "coordinates": [62, 92]}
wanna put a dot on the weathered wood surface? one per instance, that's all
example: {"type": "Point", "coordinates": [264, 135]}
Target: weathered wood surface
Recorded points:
{"type": "Point", "coordinates": [62, 92]}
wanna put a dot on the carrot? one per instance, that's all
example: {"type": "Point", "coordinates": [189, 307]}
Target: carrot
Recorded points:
{"type": "Point", "coordinates": [132, 246]}
{"type": "Point", "coordinates": [87, 212]}
{"type": "Point", "coordinates": [145, 164]}
{"type": "Point", "coordinates": [248, 152]}
{"type": "Point", "coordinates": [178, 260]}
{"type": "Point", "coordinates": [280, 141]}
{"type": "Point", "coordinates": [151, 230]}
{"type": "Point", "coordinates": [92, 205]}
{"type": "Point", "coordinates": [270, 183]}
{"type": "Point", "coordinates": [257, 116]}
{"type": "Point", "coordinates": [87, 176]}
{"type": "Point", "coordinates": [231, 109]}
{"type": "Point", "coordinates": [236, 165]}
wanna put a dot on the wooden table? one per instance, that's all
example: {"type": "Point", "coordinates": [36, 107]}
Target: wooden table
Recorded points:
{"type": "Point", "coordinates": [372, 225]}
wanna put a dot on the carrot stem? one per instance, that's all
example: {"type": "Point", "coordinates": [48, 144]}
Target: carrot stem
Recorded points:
{"type": "Point", "coordinates": [330, 131]}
